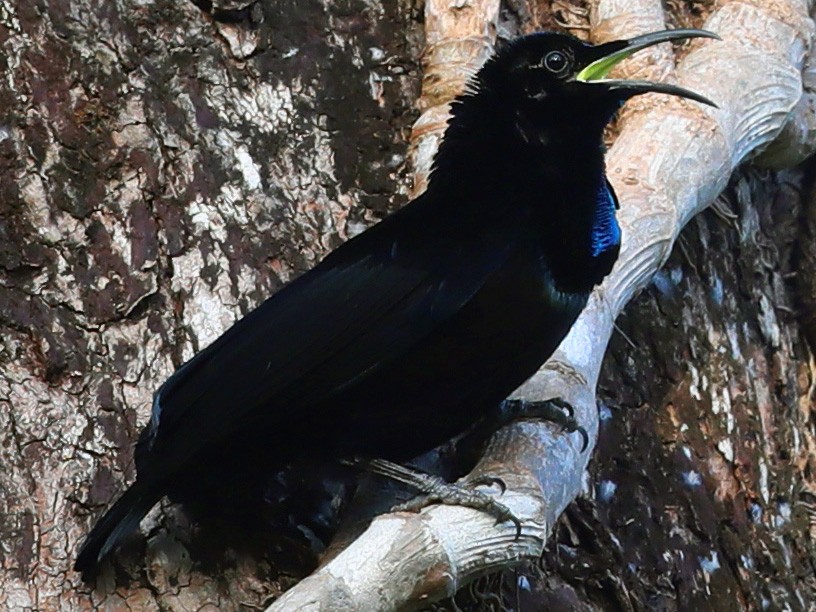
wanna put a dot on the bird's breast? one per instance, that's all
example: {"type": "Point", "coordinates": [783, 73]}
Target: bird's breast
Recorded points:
{"type": "Point", "coordinates": [504, 333]}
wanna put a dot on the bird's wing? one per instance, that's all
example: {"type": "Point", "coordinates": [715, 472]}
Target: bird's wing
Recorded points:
{"type": "Point", "coordinates": [368, 302]}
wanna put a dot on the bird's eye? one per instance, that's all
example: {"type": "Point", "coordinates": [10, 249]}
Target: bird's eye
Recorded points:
{"type": "Point", "coordinates": [556, 62]}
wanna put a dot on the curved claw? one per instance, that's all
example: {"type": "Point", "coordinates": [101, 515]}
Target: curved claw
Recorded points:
{"type": "Point", "coordinates": [555, 410]}
{"type": "Point", "coordinates": [436, 490]}
{"type": "Point", "coordinates": [442, 492]}
{"type": "Point", "coordinates": [570, 424]}
{"type": "Point", "coordinates": [563, 405]}
{"type": "Point", "coordinates": [487, 481]}
{"type": "Point", "coordinates": [513, 519]}
{"type": "Point", "coordinates": [584, 437]}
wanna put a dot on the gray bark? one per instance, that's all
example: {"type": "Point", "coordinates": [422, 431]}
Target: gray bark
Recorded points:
{"type": "Point", "coordinates": [162, 174]}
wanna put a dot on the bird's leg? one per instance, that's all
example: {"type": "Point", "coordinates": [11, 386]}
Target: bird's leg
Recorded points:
{"type": "Point", "coordinates": [555, 410]}
{"type": "Point", "coordinates": [436, 490]}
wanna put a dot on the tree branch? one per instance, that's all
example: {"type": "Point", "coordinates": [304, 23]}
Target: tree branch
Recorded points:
{"type": "Point", "coordinates": [459, 38]}
{"type": "Point", "coordinates": [668, 163]}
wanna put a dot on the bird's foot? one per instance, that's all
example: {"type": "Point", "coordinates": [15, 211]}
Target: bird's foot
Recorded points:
{"type": "Point", "coordinates": [555, 410]}
{"type": "Point", "coordinates": [435, 490]}
{"type": "Point", "coordinates": [452, 494]}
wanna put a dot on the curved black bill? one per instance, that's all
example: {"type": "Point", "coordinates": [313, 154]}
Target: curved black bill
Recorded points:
{"type": "Point", "coordinates": [627, 89]}
{"type": "Point", "coordinates": [612, 53]}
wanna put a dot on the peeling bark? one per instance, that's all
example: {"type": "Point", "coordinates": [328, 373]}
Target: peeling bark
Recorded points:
{"type": "Point", "coordinates": [163, 173]}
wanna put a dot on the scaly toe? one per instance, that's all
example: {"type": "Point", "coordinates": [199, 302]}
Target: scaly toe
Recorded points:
{"type": "Point", "coordinates": [462, 495]}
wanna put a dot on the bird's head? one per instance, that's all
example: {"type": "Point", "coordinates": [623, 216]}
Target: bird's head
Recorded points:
{"type": "Point", "coordinates": [561, 76]}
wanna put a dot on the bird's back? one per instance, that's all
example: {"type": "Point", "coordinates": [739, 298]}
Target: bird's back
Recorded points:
{"type": "Point", "coordinates": [403, 336]}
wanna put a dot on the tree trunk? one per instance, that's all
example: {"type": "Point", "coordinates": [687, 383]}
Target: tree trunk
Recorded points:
{"type": "Point", "coordinates": [163, 173]}
{"type": "Point", "coordinates": [168, 165]}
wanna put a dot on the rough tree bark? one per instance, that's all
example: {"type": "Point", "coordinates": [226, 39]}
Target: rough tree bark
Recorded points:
{"type": "Point", "coordinates": [163, 172]}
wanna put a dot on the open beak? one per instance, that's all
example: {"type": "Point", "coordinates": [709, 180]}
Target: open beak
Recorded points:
{"type": "Point", "coordinates": [612, 53]}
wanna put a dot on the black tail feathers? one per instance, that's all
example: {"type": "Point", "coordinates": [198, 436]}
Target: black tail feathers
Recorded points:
{"type": "Point", "coordinates": [121, 519]}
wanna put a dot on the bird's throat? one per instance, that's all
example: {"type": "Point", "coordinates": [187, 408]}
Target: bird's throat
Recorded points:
{"type": "Point", "coordinates": [606, 233]}
{"type": "Point", "coordinates": [582, 239]}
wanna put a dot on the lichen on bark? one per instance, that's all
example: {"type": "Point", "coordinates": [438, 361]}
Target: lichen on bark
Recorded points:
{"type": "Point", "coordinates": [163, 174]}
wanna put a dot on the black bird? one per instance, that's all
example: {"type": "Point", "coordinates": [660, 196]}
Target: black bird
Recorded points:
{"type": "Point", "coordinates": [415, 329]}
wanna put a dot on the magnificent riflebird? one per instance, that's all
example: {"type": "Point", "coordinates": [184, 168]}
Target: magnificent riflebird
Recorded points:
{"type": "Point", "coordinates": [415, 329]}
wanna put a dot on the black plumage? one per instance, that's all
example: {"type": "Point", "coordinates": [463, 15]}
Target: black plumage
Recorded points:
{"type": "Point", "coordinates": [410, 332]}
